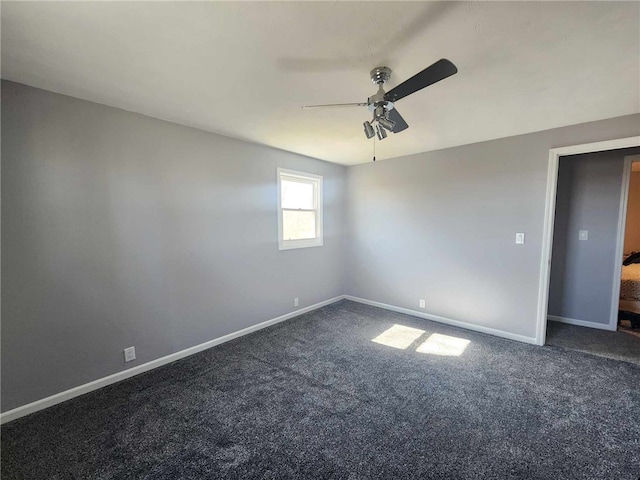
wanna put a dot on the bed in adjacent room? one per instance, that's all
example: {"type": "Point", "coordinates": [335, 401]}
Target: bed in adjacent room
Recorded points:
{"type": "Point", "coordinates": [630, 293]}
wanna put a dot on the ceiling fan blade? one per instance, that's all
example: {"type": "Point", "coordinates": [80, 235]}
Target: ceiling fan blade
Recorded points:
{"type": "Point", "coordinates": [395, 116]}
{"type": "Point", "coordinates": [337, 105]}
{"type": "Point", "coordinates": [440, 70]}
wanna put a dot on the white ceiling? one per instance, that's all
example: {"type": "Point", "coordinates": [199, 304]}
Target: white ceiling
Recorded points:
{"type": "Point", "coordinates": [245, 69]}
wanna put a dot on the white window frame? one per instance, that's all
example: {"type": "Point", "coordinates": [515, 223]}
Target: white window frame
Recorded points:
{"type": "Point", "coordinates": [316, 181]}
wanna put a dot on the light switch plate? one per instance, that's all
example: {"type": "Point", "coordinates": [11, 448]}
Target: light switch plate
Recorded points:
{"type": "Point", "coordinates": [583, 235]}
{"type": "Point", "coordinates": [520, 238]}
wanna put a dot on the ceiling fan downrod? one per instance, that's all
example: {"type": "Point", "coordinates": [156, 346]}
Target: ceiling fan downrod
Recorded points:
{"type": "Point", "coordinates": [379, 106]}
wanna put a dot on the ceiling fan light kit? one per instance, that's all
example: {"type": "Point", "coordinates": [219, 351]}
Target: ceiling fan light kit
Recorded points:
{"type": "Point", "coordinates": [385, 115]}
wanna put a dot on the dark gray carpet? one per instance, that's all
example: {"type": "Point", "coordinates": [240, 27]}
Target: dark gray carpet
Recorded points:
{"type": "Point", "coordinates": [617, 345]}
{"type": "Point", "coordinates": [315, 398]}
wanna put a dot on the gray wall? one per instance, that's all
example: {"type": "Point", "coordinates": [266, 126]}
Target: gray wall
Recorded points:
{"type": "Point", "coordinates": [119, 230]}
{"type": "Point", "coordinates": [588, 198]}
{"type": "Point", "coordinates": [632, 230]}
{"type": "Point", "coordinates": [441, 226]}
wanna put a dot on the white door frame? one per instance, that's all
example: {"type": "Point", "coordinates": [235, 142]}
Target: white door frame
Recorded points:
{"type": "Point", "coordinates": [549, 218]}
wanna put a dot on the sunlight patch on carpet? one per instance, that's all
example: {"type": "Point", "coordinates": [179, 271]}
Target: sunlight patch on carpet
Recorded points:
{"type": "Point", "coordinates": [398, 336]}
{"type": "Point", "coordinates": [443, 345]}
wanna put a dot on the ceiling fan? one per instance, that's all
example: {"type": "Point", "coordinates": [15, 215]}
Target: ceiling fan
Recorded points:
{"type": "Point", "coordinates": [385, 115]}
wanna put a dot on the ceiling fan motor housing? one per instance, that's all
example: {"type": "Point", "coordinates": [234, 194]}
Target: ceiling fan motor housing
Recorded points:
{"type": "Point", "coordinates": [380, 75]}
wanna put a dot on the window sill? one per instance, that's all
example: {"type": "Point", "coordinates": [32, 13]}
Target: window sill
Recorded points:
{"type": "Point", "coordinates": [301, 244]}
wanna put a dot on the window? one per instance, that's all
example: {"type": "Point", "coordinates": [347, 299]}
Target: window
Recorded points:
{"type": "Point", "coordinates": [299, 209]}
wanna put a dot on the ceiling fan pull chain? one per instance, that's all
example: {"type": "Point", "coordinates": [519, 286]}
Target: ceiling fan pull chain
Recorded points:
{"type": "Point", "coordinates": [374, 149]}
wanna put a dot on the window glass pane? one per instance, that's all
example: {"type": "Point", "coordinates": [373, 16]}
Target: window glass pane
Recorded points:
{"type": "Point", "coordinates": [297, 195]}
{"type": "Point", "coordinates": [298, 225]}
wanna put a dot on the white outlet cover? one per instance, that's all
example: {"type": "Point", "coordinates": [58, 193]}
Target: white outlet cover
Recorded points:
{"type": "Point", "coordinates": [423, 303]}
{"type": "Point", "coordinates": [583, 235]}
{"type": "Point", "coordinates": [129, 354]}
{"type": "Point", "coordinates": [520, 238]}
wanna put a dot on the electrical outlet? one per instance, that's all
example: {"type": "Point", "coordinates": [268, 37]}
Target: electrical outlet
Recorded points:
{"type": "Point", "coordinates": [129, 354]}
{"type": "Point", "coordinates": [520, 238]}
{"type": "Point", "coordinates": [583, 235]}
{"type": "Point", "coordinates": [423, 303]}
{"type": "Point", "coordinates": [296, 302]}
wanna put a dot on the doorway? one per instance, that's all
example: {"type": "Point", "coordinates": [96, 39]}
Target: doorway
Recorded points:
{"type": "Point", "coordinates": [629, 306]}
{"type": "Point", "coordinates": [587, 253]}
{"type": "Point", "coordinates": [549, 217]}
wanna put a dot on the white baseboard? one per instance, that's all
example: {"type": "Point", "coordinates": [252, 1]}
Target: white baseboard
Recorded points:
{"type": "Point", "coordinates": [145, 367]}
{"type": "Point", "coordinates": [581, 323]}
{"type": "Point", "coordinates": [447, 321]}
{"type": "Point", "coordinates": [119, 376]}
